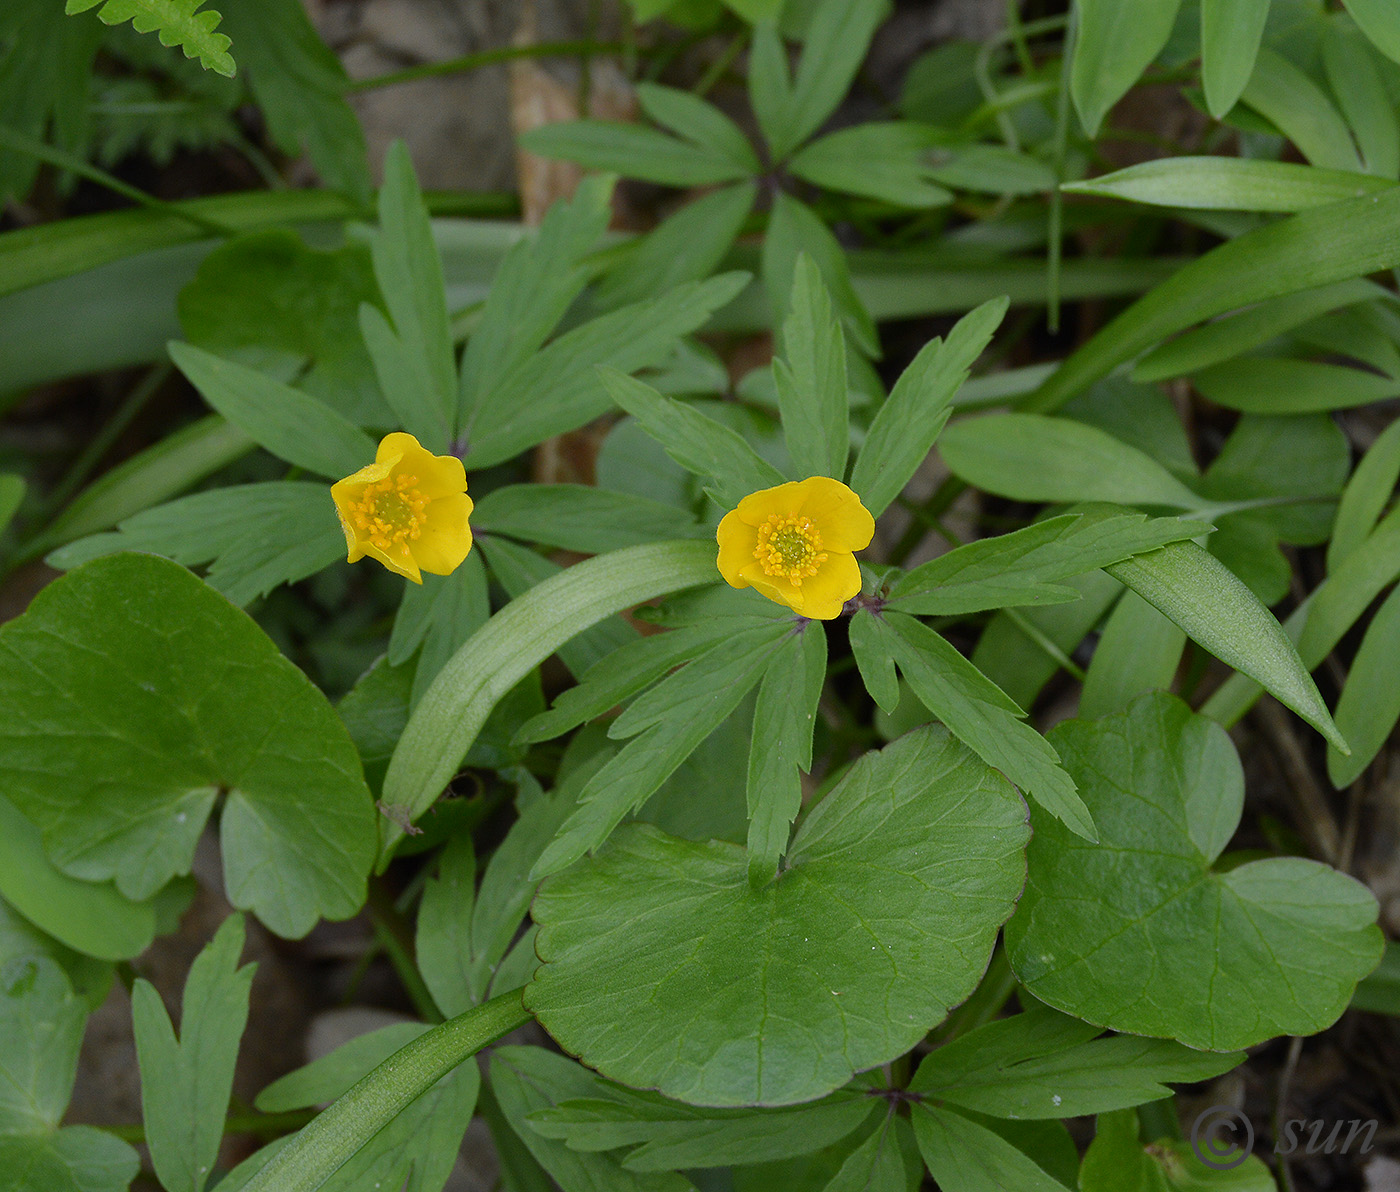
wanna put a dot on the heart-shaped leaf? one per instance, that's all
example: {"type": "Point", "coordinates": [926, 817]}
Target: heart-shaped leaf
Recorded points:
{"type": "Point", "coordinates": [137, 695]}
{"type": "Point", "coordinates": [1145, 933]}
{"type": "Point", "coordinates": [665, 969]}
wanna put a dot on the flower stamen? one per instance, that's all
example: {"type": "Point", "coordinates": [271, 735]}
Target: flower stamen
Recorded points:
{"type": "Point", "coordinates": [390, 512]}
{"type": "Point", "coordinates": [789, 547]}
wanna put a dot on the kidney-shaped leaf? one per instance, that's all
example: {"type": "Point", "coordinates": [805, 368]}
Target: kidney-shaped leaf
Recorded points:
{"type": "Point", "coordinates": [664, 969]}
{"type": "Point", "coordinates": [1144, 932]}
{"type": "Point", "coordinates": [137, 696]}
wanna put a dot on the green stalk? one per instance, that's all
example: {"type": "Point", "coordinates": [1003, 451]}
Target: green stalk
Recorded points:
{"type": "Point", "coordinates": [467, 62]}
{"type": "Point", "coordinates": [331, 1140]}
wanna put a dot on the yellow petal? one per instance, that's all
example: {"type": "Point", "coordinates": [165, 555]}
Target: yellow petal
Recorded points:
{"type": "Point", "coordinates": [844, 523]}
{"type": "Point", "coordinates": [438, 475]}
{"type": "Point", "coordinates": [446, 538]}
{"type": "Point", "coordinates": [776, 587]}
{"type": "Point", "coordinates": [399, 560]}
{"type": "Point", "coordinates": [825, 593]}
{"type": "Point", "coordinates": [736, 546]}
{"type": "Point", "coordinates": [784, 500]}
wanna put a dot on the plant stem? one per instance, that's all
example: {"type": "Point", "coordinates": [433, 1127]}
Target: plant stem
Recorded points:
{"type": "Point", "coordinates": [265, 1125]}
{"type": "Point", "coordinates": [1037, 635]}
{"type": "Point", "coordinates": [391, 932]}
{"type": "Point", "coordinates": [468, 62]}
{"type": "Point", "coordinates": [716, 69]}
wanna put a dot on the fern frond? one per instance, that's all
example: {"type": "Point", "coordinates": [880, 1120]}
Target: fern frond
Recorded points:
{"type": "Point", "coordinates": [176, 21]}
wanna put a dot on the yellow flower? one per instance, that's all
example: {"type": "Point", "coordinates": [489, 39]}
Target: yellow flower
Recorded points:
{"type": "Point", "coordinates": [794, 543]}
{"type": "Point", "coordinates": [408, 509]}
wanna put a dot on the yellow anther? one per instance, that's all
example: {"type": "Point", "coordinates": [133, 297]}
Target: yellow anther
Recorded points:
{"type": "Point", "coordinates": [789, 547]}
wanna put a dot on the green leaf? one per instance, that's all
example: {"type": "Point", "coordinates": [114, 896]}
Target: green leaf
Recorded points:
{"type": "Point", "coordinates": [530, 1080]}
{"type": "Point", "coordinates": [558, 388]}
{"type": "Point", "coordinates": [1366, 494]}
{"type": "Point", "coordinates": [904, 429]}
{"type": "Point", "coordinates": [1380, 23]}
{"type": "Point", "coordinates": [185, 1083]}
{"type": "Point", "coordinates": [966, 1156]}
{"type": "Point", "coordinates": [887, 161]}
{"type": "Point", "coordinates": [1022, 567]}
{"type": "Point", "coordinates": [980, 715]}
{"type": "Point", "coordinates": [1145, 932]}
{"type": "Point", "coordinates": [1354, 76]}
{"type": "Point", "coordinates": [876, 666]}
{"type": "Point", "coordinates": [991, 169]}
{"type": "Point", "coordinates": [579, 518]}
{"type": "Point", "coordinates": [174, 697]}
{"type": "Point", "coordinates": [699, 122]}
{"type": "Point", "coordinates": [412, 349]}
{"type": "Point", "coordinates": [299, 428]}
{"type": "Point", "coordinates": [438, 616]}
{"type": "Point", "coordinates": [537, 281]}
{"type": "Point", "coordinates": [794, 229]}
{"type": "Point", "coordinates": [634, 151]}
{"type": "Point", "coordinates": [1370, 701]}
{"type": "Point", "coordinates": [1379, 991]}
{"type": "Point", "coordinates": [783, 722]}
{"type": "Point", "coordinates": [687, 246]}
{"type": "Point", "coordinates": [90, 917]}
{"type": "Point", "coordinates": [1034, 458]}
{"type": "Point", "coordinates": [1042, 1065]}
{"type": "Point", "coordinates": [75, 1159]}
{"type": "Point", "coordinates": [880, 1164]}
{"type": "Point", "coordinates": [176, 21]}
{"type": "Point", "coordinates": [12, 489]}
{"type": "Point", "coordinates": [336, 1136]}
{"type": "Point", "coordinates": [668, 723]}
{"type": "Point", "coordinates": [811, 379]}
{"type": "Point", "coordinates": [328, 1077]}
{"type": "Point", "coordinates": [1346, 239]}
{"type": "Point", "coordinates": [1301, 110]}
{"type": "Point", "coordinates": [1230, 34]}
{"type": "Point", "coordinates": [300, 86]}
{"type": "Point", "coordinates": [736, 996]}
{"type": "Point", "coordinates": [150, 477]}
{"type": "Point", "coordinates": [514, 642]}
{"type": "Point", "coordinates": [1220, 613]}
{"type": "Point", "coordinates": [1139, 650]}
{"type": "Point", "coordinates": [1114, 45]}
{"type": "Point", "coordinates": [267, 300]}
{"type": "Point", "coordinates": [1275, 385]}
{"type": "Point", "coordinates": [696, 442]}
{"type": "Point", "coordinates": [1230, 184]}
{"type": "Point", "coordinates": [1229, 337]}
{"type": "Point", "coordinates": [1117, 1161]}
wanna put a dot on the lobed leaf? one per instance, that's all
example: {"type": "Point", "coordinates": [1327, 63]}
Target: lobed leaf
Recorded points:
{"type": "Point", "coordinates": [177, 22]}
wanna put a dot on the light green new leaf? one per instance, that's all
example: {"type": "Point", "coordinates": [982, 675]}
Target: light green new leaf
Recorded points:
{"type": "Point", "coordinates": [696, 442]}
{"type": "Point", "coordinates": [185, 1083]}
{"type": "Point", "coordinates": [580, 517]}
{"type": "Point", "coordinates": [905, 427]}
{"type": "Point", "coordinates": [634, 151]}
{"type": "Point", "coordinates": [1114, 45]}
{"type": "Point", "coordinates": [176, 21]}
{"type": "Point", "coordinates": [1030, 457]}
{"type": "Point", "coordinates": [1355, 78]}
{"type": "Point", "coordinates": [1041, 1065]}
{"type": "Point", "coordinates": [1022, 567]}
{"type": "Point", "coordinates": [1380, 22]}
{"type": "Point", "coordinates": [664, 968]}
{"type": "Point", "coordinates": [980, 714]}
{"type": "Point", "coordinates": [1118, 1161]}
{"type": "Point", "coordinates": [811, 380]}
{"type": "Point", "coordinates": [699, 122]}
{"type": "Point", "coordinates": [1220, 613]}
{"type": "Point", "coordinates": [1230, 184]}
{"type": "Point", "coordinates": [529, 1081]}
{"type": "Point", "coordinates": [783, 720]}
{"type": "Point", "coordinates": [90, 917]}
{"type": "Point", "coordinates": [887, 161]}
{"type": "Point", "coordinates": [301, 429]}
{"type": "Point", "coordinates": [558, 389]}
{"type": "Point", "coordinates": [1301, 110]}
{"type": "Point", "coordinates": [131, 669]}
{"type": "Point", "coordinates": [1230, 34]}
{"type": "Point", "coordinates": [413, 353]}
{"type": "Point", "coordinates": [966, 1156]}
{"type": "Point", "coordinates": [1145, 933]}
{"type": "Point", "coordinates": [514, 642]}
{"type": "Point", "coordinates": [1343, 240]}
{"type": "Point", "coordinates": [1369, 705]}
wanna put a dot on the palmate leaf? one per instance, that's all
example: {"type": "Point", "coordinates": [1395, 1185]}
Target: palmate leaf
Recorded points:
{"type": "Point", "coordinates": [176, 21]}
